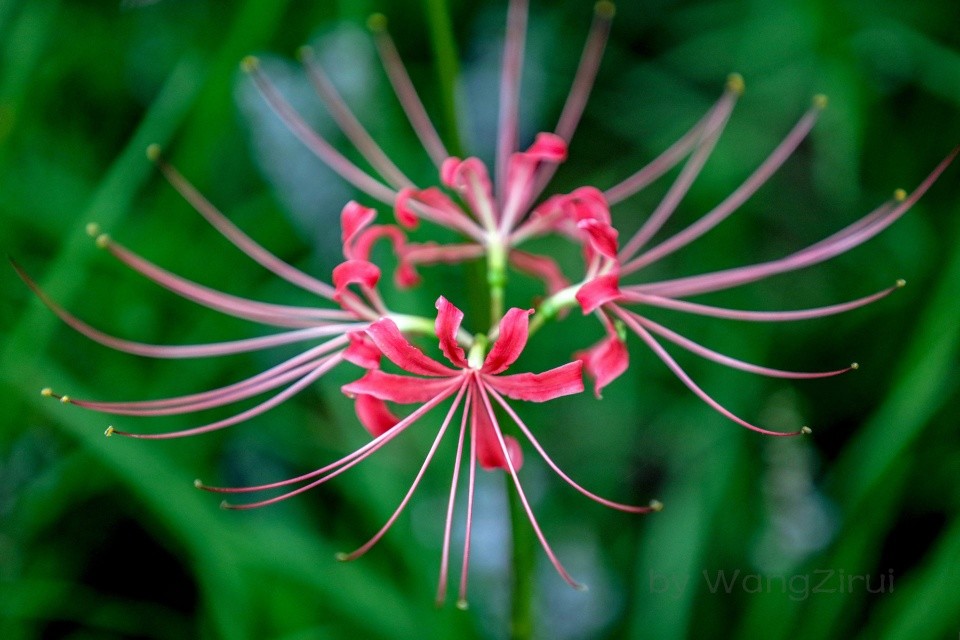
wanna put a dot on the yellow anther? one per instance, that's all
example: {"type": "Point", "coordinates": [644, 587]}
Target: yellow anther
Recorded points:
{"type": "Point", "coordinates": [901, 283]}
{"type": "Point", "coordinates": [656, 505]}
{"type": "Point", "coordinates": [820, 101]}
{"type": "Point", "coordinates": [93, 229]}
{"type": "Point", "coordinates": [249, 64]}
{"type": "Point", "coordinates": [109, 431]}
{"type": "Point", "coordinates": [46, 392]}
{"type": "Point", "coordinates": [900, 195]}
{"type": "Point", "coordinates": [377, 23]}
{"type": "Point", "coordinates": [736, 84]}
{"type": "Point", "coordinates": [854, 365]}
{"type": "Point", "coordinates": [305, 52]}
{"type": "Point", "coordinates": [153, 152]}
{"type": "Point", "coordinates": [65, 399]}
{"type": "Point", "coordinates": [340, 556]}
{"type": "Point", "coordinates": [197, 483]}
{"type": "Point", "coordinates": [103, 240]}
{"type": "Point", "coordinates": [462, 605]}
{"type": "Point", "coordinates": [806, 430]}
{"type": "Point", "coordinates": [605, 9]}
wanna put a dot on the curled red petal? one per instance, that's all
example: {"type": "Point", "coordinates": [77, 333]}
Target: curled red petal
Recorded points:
{"type": "Point", "coordinates": [599, 292]}
{"type": "Point", "coordinates": [351, 272]}
{"type": "Point", "coordinates": [353, 219]}
{"type": "Point", "coordinates": [605, 361]}
{"type": "Point", "coordinates": [448, 322]}
{"type": "Point", "coordinates": [560, 381]}
{"type": "Point", "coordinates": [397, 388]}
{"type": "Point", "coordinates": [362, 351]}
{"type": "Point", "coordinates": [374, 414]}
{"type": "Point", "coordinates": [601, 236]}
{"type": "Point", "coordinates": [404, 213]}
{"type": "Point", "coordinates": [448, 171]}
{"type": "Point", "coordinates": [489, 452]}
{"type": "Point", "coordinates": [548, 147]}
{"type": "Point", "coordinates": [511, 340]}
{"type": "Point", "coordinates": [399, 351]}
{"type": "Point", "coordinates": [586, 203]}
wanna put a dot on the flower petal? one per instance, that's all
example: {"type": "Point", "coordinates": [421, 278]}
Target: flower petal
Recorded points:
{"type": "Point", "coordinates": [448, 322]}
{"type": "Point", "coordinates": [399, 351]}
{"type": "Point", "coordinates": [402, 210]}
{"type": "Point", "coordinates": [362, 351]}
{"type": "Point", "coordinates": [353, 219]}
{"type": "Point", "coordinates": [396, 388]}
{"type": "Point", "coordinates": [540, 387]}
{"type": "Point", "coordinates": [489, 452]}
{"type": "Point", "coordinates": [510, 341]}
{"type": "Point", "coordinates": [601, 236]}
{"type": "Point", "coordinates": [605, 361]}
{"type": "Point", "coordinates": [351, 272]}
{"type": "Point", "coordinates": [374, 415]}
{"type": "Point", "coordinates": [599, 292]}
{"type": "Point", "coordinates": [548, 147]}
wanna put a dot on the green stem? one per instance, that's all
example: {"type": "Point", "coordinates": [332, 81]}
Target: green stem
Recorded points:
{"type": "Point", "coordinates": [445, 49]}
{"type": "Point", "coordinates": [496, 280]}
{"type": "Point", "coordinates": [524, 565]}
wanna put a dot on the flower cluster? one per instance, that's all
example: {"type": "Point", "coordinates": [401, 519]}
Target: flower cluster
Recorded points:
{"type": "Point", "coordinates": [495, 215]}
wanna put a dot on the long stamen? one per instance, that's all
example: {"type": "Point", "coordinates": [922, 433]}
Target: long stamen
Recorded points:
{"type": "Point", "coordinates": [334, 468]}
{"type": "Point", "coordinates": [523, 498]}
{"type": "Point", "coordinates": [349, 124]}
{"type": "Point", "coordinates": [448, 525]}
{"type": "Point", "coordinates": [733, 202]}
{"type": "Point", "coordinates": [688, 381]}
{"type": "Point", "coordinates": [312, 140]}
{"type": "Point", "coordinates": [327, 364]}
{"type": "Point", "coordinates": [603, 13]}
{"type": "Point", "coordinates": [222, 397]}
{"type": "Point", "coordinates": [468, 527]}
{"type": "Point", "coordinates": [233, 233]}
{"type": "Point", "coordinates": [184, 404]}
{"type": "Point", "coordinates": [840, 242]}
{"type": "Point", "coordinates": [406, 93]}
{"type": "Point", "coordinates": [509, 113]}
{"type": "Point", "coordinates": [283, 315]}
{"type": "Point", "coordinates": [183, 351]}
{"type": "Point", "coordinates": [668, 205]}
{"type": "Point", "coordinates": [346, 557]}
{"type": "Point", "coordinates": [757, 316]}
{"type": "Point", "coordinates": [734, 363]}
{"type": "Point", "coordinates": [653, 506]}
{"type": "Point", "coordinates": [673, 154]}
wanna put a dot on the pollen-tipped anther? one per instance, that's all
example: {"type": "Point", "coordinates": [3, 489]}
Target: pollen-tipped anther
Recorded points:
{"type": "Point", "coordinates": [806, 431]}
{"type": "Point", "coordinates": [463, 605]}
{"type": "Point", "coordinates": [153, 152]}
{"type": "Point", "coordinates": [900, 195]}
{"type": "Point", "coordinates": [605, 9]}
{"type": "Point", "coordinates": [198, 484]}
{"type": "Point", "coordinates": [224, 504]}
{"type": "Point", "coordinates": [93, 229]}
{"type": "Point", "coordinates": [854, 366]}
{"type": "Point", "coordinates": [65, 399]}
{"type": "Point", "coordinates": [103, 241]}
{"type": "Point", "coordinates": [820, 101]}
{"type": "Point", "coordinates": [901, 283]}
{"type": "Point", "coordinates": [46, 392]}
{"type": "Point", "coordinates": [109, 431]}
{"type": "Point", "coordinates": [736, 84]}
{"type": "Point", "coordinates": [304, 53]}
{"type": "Point", "coordinates": [377, 23]}
{"type": "Point", "coordinates": [340, 556]}
{"type": "Point", "coordinates": [656, 505]}
{"type": "Point", "coordinates": [249, 64]}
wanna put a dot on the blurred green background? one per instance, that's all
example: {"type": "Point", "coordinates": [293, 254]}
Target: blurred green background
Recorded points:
{"type": "Point", "coordinates": [108, 538]}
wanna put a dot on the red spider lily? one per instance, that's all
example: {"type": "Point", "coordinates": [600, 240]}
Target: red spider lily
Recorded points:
{"type": "Point", "coordinates": [304, 324]}
{"type": "Point", "coordinates": [478, 384]}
